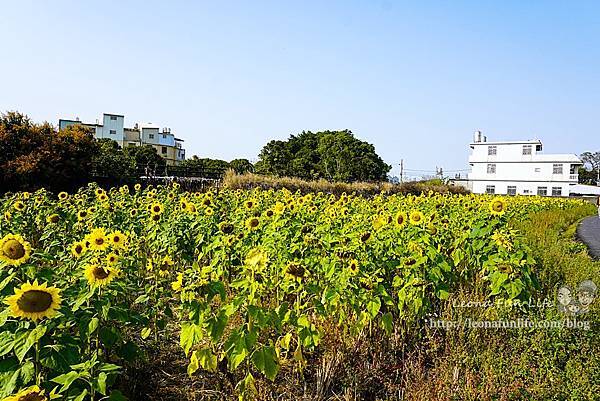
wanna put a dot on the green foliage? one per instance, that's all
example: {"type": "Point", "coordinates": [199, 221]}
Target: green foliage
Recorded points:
{"type": "Point", "coordinates": [32, 154]}
{"type": "Point", "coordinates": [333, 155]}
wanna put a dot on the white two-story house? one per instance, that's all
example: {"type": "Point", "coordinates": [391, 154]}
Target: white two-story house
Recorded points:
{"type": "Point", "coordinates": [520, 167]}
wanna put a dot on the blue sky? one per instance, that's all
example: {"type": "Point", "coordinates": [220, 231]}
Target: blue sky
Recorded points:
{"type": "Point", "coordinates": [413, 78]}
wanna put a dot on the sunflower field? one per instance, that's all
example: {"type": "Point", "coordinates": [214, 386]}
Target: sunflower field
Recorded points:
{"type": "Point", "coordinates": [244, 280]}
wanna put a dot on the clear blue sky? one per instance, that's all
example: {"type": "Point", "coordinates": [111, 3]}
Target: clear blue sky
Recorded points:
{"type": "Point", "coordinates": [415, 79]}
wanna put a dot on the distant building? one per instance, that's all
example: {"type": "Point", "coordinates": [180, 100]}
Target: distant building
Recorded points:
{"type": "Point", "coordinates": [519, 167]}
{"type": "Point", "coordinates": [113, 127]}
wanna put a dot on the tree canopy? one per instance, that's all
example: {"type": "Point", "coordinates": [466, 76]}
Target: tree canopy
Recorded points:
{"type": "Point", "coordinates": [333, 155]}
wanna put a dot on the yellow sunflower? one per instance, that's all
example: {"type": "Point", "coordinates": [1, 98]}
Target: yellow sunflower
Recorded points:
{"type": "Point", "coordinates": [34, 301]}
{"type": "Point", "coordinates": [353, 267]}
{"type": "Point", "coordinates": [279, 208]}
{"type": "Point", "coordinates": [209, 211]}
{"type": "Point", "coordinates": [33, 393]}
{"type": "Point", "coordinates": [176, 285]}
{"type": "Point", "coordinates": [497, 206]}
{"type": "Point", "coordinates": [400, 219]}
{"type": "Point", "coordinates": [78, 249]}
{"type": "Point", "coordinates": [117, 239]}
{"type": "Point", "coordinates": [257, 259]}
{"type": "Point", "coordinates": [97, 275]}
{"type": "Point", "coordinates": [14, 250]}
{"type": "Point", "coordinates": [252, 223]}
{"type": "Point", "coordinates": [156, 209]}
{"type": "Point", "coordinates": [98, 240]}
{"type": "Point", "coordinates": [137, 187]}
{"type": "Point", "coordinates": [82, 215]}
{"type": "Point", "coordinates": [19, 205]}
{"type": "Point", "coordinates": [53, 219]}
{"type": "Point", "coordinates": [63, 196]}
{"type": "Point", "coordinates": [112, 259]}
{"type": "Point", "coordinates": [416, 218]}
{"type": "Point", "coordinates": [165, 266]}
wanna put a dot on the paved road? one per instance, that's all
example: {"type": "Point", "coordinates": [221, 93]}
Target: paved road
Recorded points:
{"type": "Point", "coordinates": [589, 232]}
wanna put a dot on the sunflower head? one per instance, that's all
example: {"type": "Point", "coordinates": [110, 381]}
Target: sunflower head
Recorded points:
{"type": "Point", "coordinates": [33, 393]}
{"type": "Point", "coordinates": [63, 196]}
{"type": "Point", "coordinates": [112, 259]}
{"type": "Point", "coordinates": [400, 219]}
{"type": "Point", "coordinates": [156, 208]}
{"type": "Point", "coordinates": [97, 275]}
{"type": "Point", "coordinates": [252, 223]}
{"type": "Point", "coordinates": [34, 301]}
{"type": "Point", "coordinates": [225, 227]}
{"type": "Point", "coordinates": [353, 267]}
{"type": "Point", "coordinates": [53, 219]}
{"type": "Point", "coordinates": [19, 205]}
{"type": "Point", "coordinates": [209, 211]}
{"type": "Point", "coordinates": [295, 270]}
{"type": "Point", "coordinates": [98, 240]}
{"type": "Point", "coordinates": [416, 218]}
{"type": "Point", "coordinates": [257, 259]}
{"type": "Point", "coordinates": [117, 239]}
{"type": "Point", "coordinates": [497, 206]}
{"type": "Point", "coordinates": [78, 249]}
{"type": "Point", "coordinates": [14, 250]}
{"type": "Point", "coordinates": [82, 215]}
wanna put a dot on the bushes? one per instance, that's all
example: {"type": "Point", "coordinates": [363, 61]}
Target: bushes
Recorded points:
{"type": "Point", "coordinates": [232, 180]}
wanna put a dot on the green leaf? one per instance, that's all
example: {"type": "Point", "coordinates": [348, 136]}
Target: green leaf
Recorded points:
{"type": "Point", "coordinates": [6, 342]}
{"type": "Point", "coordinates": [146, 331]}
{"type": "Point", "coordinates": [194, 364]}
{"type": "Point", "coordinates": [116, 395]}
{"type": "Point", "coordinates": [66, 380]}
{"type": "Point", "coordinates": [27, 372]}
{"type": "Point", "coordinates": [190, 335]}
{"type": "Point", "coordinates": [216, 326]}
{"type": "Point", "coordinates": [265, 361]}
{"type": "Point", "coordinates": [4, 315]}
{"type": "Point", "coordinates": [373, 306]}
{"type": "Point", "coordinates": [28, 340]}
{"type": "Point", "coordinates": [386, 322]}
{"type": "Point", "coordinates": [102, 383]}
{"type": "Point", "coordinates": [93, 325]}
{"type": "Point", "coordinates": [81, 396]}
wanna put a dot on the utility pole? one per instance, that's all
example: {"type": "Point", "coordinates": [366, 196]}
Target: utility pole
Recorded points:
{"type": "Point", "coordinates": [401, 170]}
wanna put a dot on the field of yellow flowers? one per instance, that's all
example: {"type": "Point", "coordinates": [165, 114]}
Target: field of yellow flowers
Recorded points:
{"type": "Point", "coordinates": [246, 279]}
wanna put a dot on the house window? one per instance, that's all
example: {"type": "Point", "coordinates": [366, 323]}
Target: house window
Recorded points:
{"type": "Point", "coordinates": [557, 169]}
{"type": "Point", "coordinates": [572, 169]}
{"type": "Point", "coordinates": [490, 189]}
{"type": "Point", "coordinates": [164, 136]}
{"type": "Point", "coordinates": [556, 191]}
{"type": "Point", "coordinates": [114, 118]}
{"type": "Point", "coordinates": [151, 136]}
{"type": "Point", "coordinates": [542, 191]}
{"type": "Point", "coordinates": [527, 149]}
{"type": "Point", "coordinates": [164, 150]}
{"type": "Point", "coordinates": [492, 150]}
{"type": "Point", "coordinates": [526, 191]}
{"type": "Point", "coordinates": [491, 169]}
{"type": "Point", "coordinates": [537, 169]}
{"type": "Point", "coordinates": [511, 190]}
{"type": "Point", "coordinates": [538, 148]}
{"type": "Point", "coordinates": [113, 132]}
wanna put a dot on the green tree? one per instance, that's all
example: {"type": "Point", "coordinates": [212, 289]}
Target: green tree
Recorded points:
{"type": "Point", "coordinates": [37, 155]}
{"type": "Point", "coordinates": [241, 166]}
{"type": "Point", "coordinates": [593, 161]}
{"type": "Point", "coordinates": [146, 160]}
{"type": "Point", "coordinates": [196, 163]}
{"type": "Point", "coordinates": [334, 155]}
{"type": "Point", "coordinates": [112, 163]}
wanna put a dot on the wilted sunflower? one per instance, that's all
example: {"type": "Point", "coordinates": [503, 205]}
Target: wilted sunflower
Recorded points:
{"type": "Point", "coordinates": [63, 196]}
{"type": "Point", "coordinates": [97, 275]}
{"type": "Point", "coordinates": [78, 249]}
{"type": "Point", "coordinates": [33, 393]}
{"type": "Point", "coordinates": [497, 206]}
{"type": "Point", "coordinates": [191, 208]}
{"type": "Point", "coordinates": [98, 240]}
{"type": "Point", "coordinates": [416, 218]}
{"type": "Point", "coordinates": [295, 270]}
{"type": "Point", "coordinates": [225, 227]}
{"type": "Point", "coordinates": [165, 266]}
{"type": "Point", "coordinates": [34, 301]}
{"type": "Point", "coordinates": [14, 250]}
{"type": "Point", "coordinates": [155, 217]}
{"type": "Point", "coordinates": [252, 223]}
{"type": "Point", "coordinates": [53, 219]}
{"type": "Point", "coordinates": [353, 267]}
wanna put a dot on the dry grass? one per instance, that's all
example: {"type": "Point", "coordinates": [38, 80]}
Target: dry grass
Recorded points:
{"type": "Point", "coordinates": [232, 180]}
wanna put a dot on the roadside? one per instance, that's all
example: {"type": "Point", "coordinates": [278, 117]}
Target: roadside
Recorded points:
{"type": "Point", "coordinates": [588, 231]}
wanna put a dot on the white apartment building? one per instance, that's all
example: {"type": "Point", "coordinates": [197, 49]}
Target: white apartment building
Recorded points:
{"type": "Point", "coordinates": [520, 167]}
{"type": "Point", "coordinates": [113, 127]}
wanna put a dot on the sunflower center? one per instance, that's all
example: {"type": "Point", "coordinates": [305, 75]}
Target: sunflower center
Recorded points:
{"type": "Point", "coordinates": [253, 222]}
{"type": "Point", "coordinates": [78, 249]}
{"type": "Point", "coordinates": [99, 241]}
{"type": "Point", "coordinates": [32, 397]}
{"type": "Point", "coordinates": [116, 239]}
{"type": "Point", "coordinates": [35, 301]}
{"type": "Point", "coordinates": [497, 206]}
{"type": "Point", "coordinates": [100, 273]}
{"type": "Point", "coordinates": [156, 209]}
{"type": "Point", "coordinates": [13, 249]}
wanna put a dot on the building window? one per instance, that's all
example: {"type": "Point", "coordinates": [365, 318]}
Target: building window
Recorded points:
{"type": "Point", "coordinates": [557, 169]}
{"type": "Point", "coordinates": [164, 136]}
{"type": "Point", "coordinates": [113, 132]}
{"type": "Point", "coordinates": [542, 191]}
{"type": "Point", "coordinates": [491, 169]}
{"type": "Point", "coordinates": [492, 150]}
{"type": "Point", "coordinates": [527, 149]}
{"type": "Point", "coordinates": [151, 136]}
{"type": "Point", "coordinates": [537, 169]}
{"type": "Point", "coordinates": [164, 150]}
{"type": "Point", "coordinates": [526, 191]}
{"type": "Point", "coordinates": [511, 190]}
{"type": "Point", "coordinates": [538, 148]}
{"type": "Point", "coordinates": [490, 189]}
{"type": "Point", "coordinates": [556, 191]}
{"type": "Point", "coordinates": [114, 118]}
{"type": "Point", "coordinates": [572, 169]}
